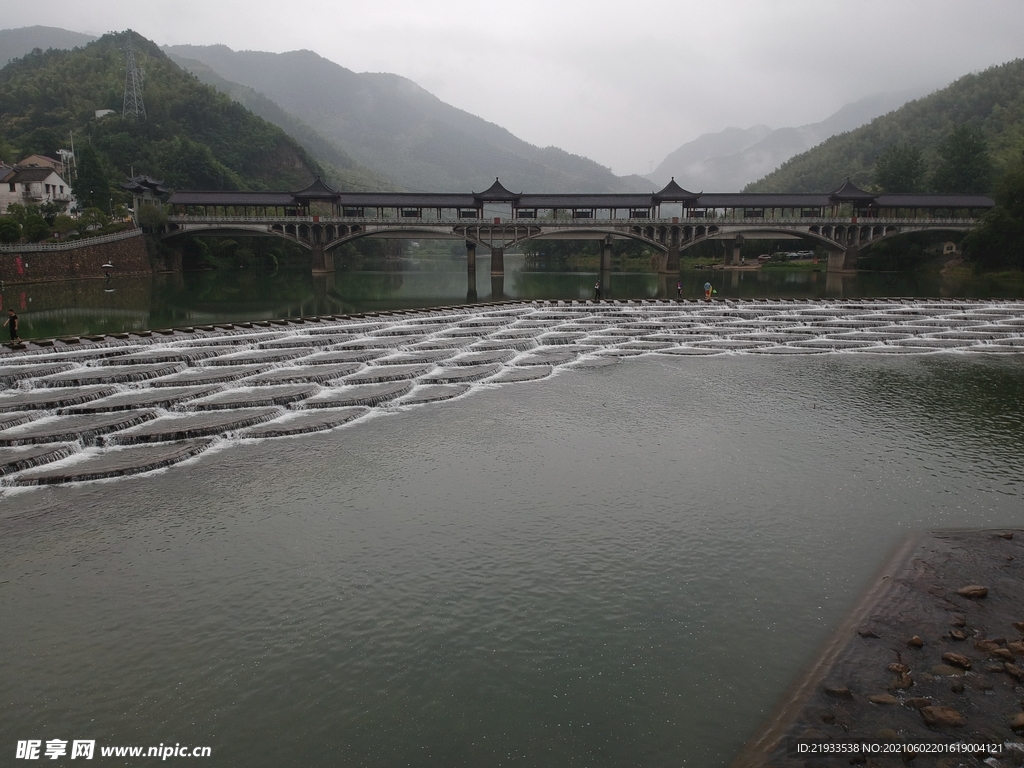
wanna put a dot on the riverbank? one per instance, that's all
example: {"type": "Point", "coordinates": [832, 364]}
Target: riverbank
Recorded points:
{"type": "Point", "coordinates": [932, 654]}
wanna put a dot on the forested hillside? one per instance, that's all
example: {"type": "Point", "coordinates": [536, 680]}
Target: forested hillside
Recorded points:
{"type": "Point", "coordinates": [193, 137]}
{"type": "Point", "coordinates": [989, 106]}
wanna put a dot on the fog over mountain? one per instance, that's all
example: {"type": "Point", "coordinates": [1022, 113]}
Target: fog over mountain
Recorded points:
{"type": "Point", "coordinates": [728, 160]}
{"type": "Point", "coordinates": [15, 43]}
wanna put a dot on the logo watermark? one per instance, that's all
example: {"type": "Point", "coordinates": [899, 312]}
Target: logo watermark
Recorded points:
{"type": "Point", "coordinates": [85, 749]}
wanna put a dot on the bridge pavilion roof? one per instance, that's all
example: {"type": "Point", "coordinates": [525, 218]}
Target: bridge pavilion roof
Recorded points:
{"type": "Point", "coordinates": [316, 191]}
{"type": "Point", "coordinates": [761, 200]}
{"type": "Point", "coordinates": [496, 193]}
{"type": "Point", "coordinates": [914, 200]}
{"type": "Point", "coordinates": [585, 201]}
{"type": "Point", "coordinates": [848, 192]}
{"type": "Point", "coordinates": [672, 192]}
{"type": "Point", "coordinates": [236, 199]}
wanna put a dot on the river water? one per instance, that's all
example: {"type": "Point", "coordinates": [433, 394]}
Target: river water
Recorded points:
{"type": "Point", "coordinates": [617, 566]}
{"type": "Point", "coordinates": [194, 298]}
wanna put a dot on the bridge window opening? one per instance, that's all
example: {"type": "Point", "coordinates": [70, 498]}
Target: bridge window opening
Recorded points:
{"type": "Point", "coordinates": [582, 214]}
{"type": "Point", "coordinates": [810, 213]}
{"type": "Point", "coordinates": [753, 213]}
{"type": "Point", "coordinates": [526, 214]}
{"type": "Point", "coordinates": [469, 213]}
{"type": "Point", "coordinates": [356, 213]}
{"type": "Point", "coordinates": [639, 213]}
{"type": "Point", "coordinates": [412, 213]}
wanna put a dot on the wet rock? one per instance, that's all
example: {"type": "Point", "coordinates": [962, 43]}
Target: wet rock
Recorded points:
{"type": "Point", "coordinates": [838, 692]}
{"type": "Point", "coordinates": [868, 634]}
{"type": "Point", "coordinates": [1014, 671]}
{"type": "Point", "coordinates": [1017, 723]}
{"type": "Point", "coordinates": [187, 426]}
{"type": "Point", "coordinates": [304, 422]}
{"type": "Point", "coordinates": [986, 646]}
{"type": "Point", "coordinates": [973, 591]}
{"type": "Point", "coordinates": [365, 394]}
{"type": "Point", "coordinates": [898, 668]}
{"type": "Point", "coordinates": [945, 670]}
{"type": "Point", "coordinates": [68, 429]}
{"type": "Point", "coordinates": [1002, 654]}
{"type": "Point", "coordinates": [957, 687]}
{"type": "Point", "coordinates": [942, 717]}
{"type": "Point", "coordinates": [918, 702]}
{"type": "Point", "coordinates": [956, 660]}
{"type": "Point", "coordinates": [17, 459]}
{"type": "Point", "coordinates": [1016, 647]}
{"type": "Point", "coordinates": [902, 682]}
{"type": "Point", "coordinates": [883, 699]}
{"type": "Point", "coordinates": [114, 463]}
{"type": "Point", "coordinates": [957, 634]}
{"type": "Point", "coordinates": [915, 642]}
{"type": "Point", "coordinates": [1007, 535]}
{"type": "Point", "coordinates": [958, 620]}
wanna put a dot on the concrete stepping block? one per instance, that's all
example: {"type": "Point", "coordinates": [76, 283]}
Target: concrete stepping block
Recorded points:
{"type": "Point", "coordinates": [487, 321]}
{"type": "Point", "coordinates": [165, 355]}
{"type": "Point", "coordinates": [17, 459]}
{"type": "Point", "coordinates": [258, 357]}
{"type": "Point", "coordinates": [433, 393]}
{"type": "Point", "coordinates": [514, 333]}
{"type": "Point", "coordinates": [72, 355]}
{"type": "Point", "coordinates": [381, 373]}
{"type": "Point", "coordinates": [780, 350]}
{"type": "Point", "coordinates": [483, 357]}
{"type": "Point", "coordinates": [305, 422]}
{"type": "Point", "coordinates": [930, 341]}
{"type": "Point", "coordinates": [733, 344]}
{"type": "Point", "coordinates": [647, 346]}
{"type": "Point", "coordinates": [120, 462]}
{"type": "Point", "coordinates": [190, 425]}
{"type": "Point", "coordinates": [85, 428]}
{"type": "Point", "coordinates": [160, 397]}
{"type": "Point", "coordinates": [380, 342]}
{"type": "Point", "coordinates": [401, 330]}
{"type": "Point", "coordinates": [363, 394]}
{"type": "Point", "coordinates": [252, 397]}
{"type": "Point", "coordinates": [17, 418]}
{"type": "Point", "coordinates": [517, 345]}
{"type": "Point", "coordinates": [439, 344]}
{"type": "Point", "coordinates": [226, 342]}
{"type": "Point", "coordinates": [460, 374]}
{"type": "Point", "coordinates": [420, 357]}
{"type": "Point", "coordinates": [214, 375]}
{"type": "Point", "coordinates": [343, 356]}
{"type": "Point", "coordinates": [309, 374]}
{"type": "Point", "coordinates": [893, 350]}
{"type": "Point", "coordinates": [514, 374]}
{"type": "Point", "coordinates": [11, 375]}
{"type": "Point", "coordinates": [691, 351]}
{"type": "Point", "coordinates": [594, 362]}
{"type": "Point", "coordinates": [831, 343]}
{"type": "Point", "coordinates": [560, 338]}
{"type": "Point", "coordinates": [971, 335]}
{"type": "Point", "coordinates": [50, 399]}
{"type": "Point", "coordinates": [290, 342]}
{"type": "Point", "coordinates": [1001, 349]}
{"type": "Point", "coordinates": [471, 334]}
{"type": "Point", "coordinates": [548, 358]}
{"type": "Point", "coordinates": [83, 377]}
{"type": "Point", "coordinates": [620, 352]}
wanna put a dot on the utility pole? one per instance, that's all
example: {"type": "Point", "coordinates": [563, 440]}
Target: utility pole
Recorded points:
{"type": "Point", "coordinates": [134, 108]}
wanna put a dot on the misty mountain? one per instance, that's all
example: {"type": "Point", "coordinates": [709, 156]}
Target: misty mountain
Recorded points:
{"type": "Point", "coordinates": [729, 160]}
{"type": "Point", "coordinates": [388, 123]}
{"type": "Point", "coordinates": [991, 102]}
{"type": "Point", "coordinates": [15, 43]}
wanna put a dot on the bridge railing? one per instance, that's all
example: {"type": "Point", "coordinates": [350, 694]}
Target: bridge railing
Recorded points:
{"type": "Point", "coordinates": [69, 245]}
{"type": "Point", "coordinates": [567, 222]}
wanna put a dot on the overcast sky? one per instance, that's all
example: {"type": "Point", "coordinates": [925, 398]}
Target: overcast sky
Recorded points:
{"type": "Point", "coordinates": [623, 82]}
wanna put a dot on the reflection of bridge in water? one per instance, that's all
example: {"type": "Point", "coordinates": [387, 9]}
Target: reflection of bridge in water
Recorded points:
{"type": "Point", "coordinates": [844, 221]}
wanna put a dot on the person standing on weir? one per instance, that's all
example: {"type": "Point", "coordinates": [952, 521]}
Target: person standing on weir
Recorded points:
{"type": "Point", "coordinates": [679, 289]}
{"type": "Point", "coordinates": [708, 290]}
{"type": "Point", "coordinates": [597, 291]}
{"type": "Point", "coordinates": [12, 320]}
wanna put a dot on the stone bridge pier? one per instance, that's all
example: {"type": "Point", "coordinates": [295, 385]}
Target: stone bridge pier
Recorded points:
{"type": "Point", "coordinates": [470, 271]}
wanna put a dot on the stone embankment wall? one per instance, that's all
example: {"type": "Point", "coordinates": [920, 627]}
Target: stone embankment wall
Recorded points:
{"type": "Point", "coordinates": [128, 255]}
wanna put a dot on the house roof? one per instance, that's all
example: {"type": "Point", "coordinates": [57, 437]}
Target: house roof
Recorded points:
{"type": "Point", "coordinates": [32, 173]}
{"type": "Point", "coordinates": [5, 171]}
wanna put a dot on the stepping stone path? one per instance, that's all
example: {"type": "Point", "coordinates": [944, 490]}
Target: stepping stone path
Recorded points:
{"type": "Point", "coordinates": [99, 407]}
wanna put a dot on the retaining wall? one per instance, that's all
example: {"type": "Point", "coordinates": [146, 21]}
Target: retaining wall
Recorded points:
{"type": "Point", "coordinates": [76, 260]}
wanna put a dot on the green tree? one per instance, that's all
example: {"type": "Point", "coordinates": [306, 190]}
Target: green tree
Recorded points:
{"type": "Point", "coordinates": [93, 217]}
{"type": "Point", "coordinates": [92, 189]}
{"type": "Point", "coordinates": [964, 163]}
{"type": "Point", "coordinates": [36, 228]}
{"type": "Point", "coordinates": [151, 218]}
{"type": "Point", "coordinates": [10, 230]}
{"type": "Point", "coordinates": [900, 168]}
{"type": "Point", "coordinates": [17, 212]}
{"type": "Point", "coordinates": [64, 224]}
{"type": "Point", "coordinates": [999, 240]}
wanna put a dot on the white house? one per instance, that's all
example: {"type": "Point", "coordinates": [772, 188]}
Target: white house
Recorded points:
{"type": "Point", "coordinates": [32, 185]}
